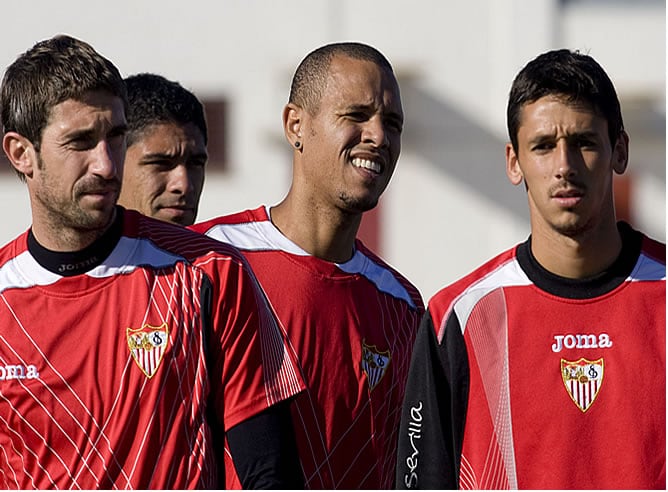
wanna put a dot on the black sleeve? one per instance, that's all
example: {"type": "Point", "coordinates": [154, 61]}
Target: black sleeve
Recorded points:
{"type": "Point", "coordinates": [433, 411]}
{"type": "Point", "coordinates": [264, 451]}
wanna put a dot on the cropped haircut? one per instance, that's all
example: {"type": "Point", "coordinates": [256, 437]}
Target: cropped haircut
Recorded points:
{"type": "Point", "coordinates": [571, 75]}
{"type": "Point", "coordinates": [152, 99]}
{"type": "Point", "coordinates": [53, 71]}
{"type": "Point", "coordinates": [310, 78]}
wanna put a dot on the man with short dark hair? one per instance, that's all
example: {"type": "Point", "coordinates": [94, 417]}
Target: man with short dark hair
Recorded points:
{"type": "Point", "coordinates": [166, 156]}
{"type": "Point", "coordinates": [129, 348]}
{"type": "Point", "coordinates": [545, 367]}
{"type": "Point", "coordinates": [349, 316]}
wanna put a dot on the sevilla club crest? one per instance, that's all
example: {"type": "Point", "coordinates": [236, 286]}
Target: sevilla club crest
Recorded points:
{"type": "Point", "coordinates": [374, 363]}
{"type": "Point", "coordinates": [147, 346]}
{"type": "Point", "coordinates": [583, 379]}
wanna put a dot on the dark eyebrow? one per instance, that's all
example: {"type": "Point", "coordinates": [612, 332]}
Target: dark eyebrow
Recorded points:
{"type": "Point", "coordinates": [367, 107]}
{"type": "Point", "coordinates": [158, 156]}
{"type": "Point", "coordinates": [120, 129]}
{"type": "Point", "coordinates": [542, 137]}
{"type": "Point", "coordinates": [588, 134]}
{"type": "Point", "coordinates": [171, 155]}
{"type": "Point", "coordinates": [357, 107]}
{"type": "Point", "coordinates": [80, 133]}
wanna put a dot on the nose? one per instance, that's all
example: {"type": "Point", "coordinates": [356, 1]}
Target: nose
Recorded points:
{"type": "Point", "coordinates": [375, 132]}
{"type": "Point", "coordinates": [568, 158]}
{"type": "Point", "coordinates": [179, 180]}
{"type": "Point", "coordinates": [107, 161]}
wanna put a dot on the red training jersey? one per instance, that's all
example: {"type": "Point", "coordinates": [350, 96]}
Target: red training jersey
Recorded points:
{"type": "Point", "coordinates": [523, 379]}
{"type": "Point", "coordinates": [106, 378]}
{"type": "Point", "coordinates": [352, 328]}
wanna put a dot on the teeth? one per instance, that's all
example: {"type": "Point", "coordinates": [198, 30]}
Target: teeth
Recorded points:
{"type": "Point", "coordinates": [366, 164]}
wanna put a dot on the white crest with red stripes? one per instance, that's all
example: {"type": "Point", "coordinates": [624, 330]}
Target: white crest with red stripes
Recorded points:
{"type": "Point", "coordinates": [147, 346]}
{"type": "Point", "coordinates": [583, 379]}
{"type": "Point", "coordinates": [374, 363]}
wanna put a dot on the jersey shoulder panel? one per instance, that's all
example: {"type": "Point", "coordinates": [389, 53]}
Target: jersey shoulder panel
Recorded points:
{"type": "Point", "coordinates": [14, 248]}
{"type": "Point", "coordinates": [386, 278]}
{"type": "Point", "coordinates": [250, 230]}
{"type": "Point", "coordinates": [501, 271]}
{"type": "Point", "coordinates": [176, 240]}
{"type": "Point", "coordinates": [652, 261]}
{"type": "Point", "coordinates": [244, 216]}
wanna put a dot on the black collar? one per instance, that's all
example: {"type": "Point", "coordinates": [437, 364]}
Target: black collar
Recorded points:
{"type": "Point", "coordinates": [590, 287]}
{"type": "Point", "coordinates": [72, 263]}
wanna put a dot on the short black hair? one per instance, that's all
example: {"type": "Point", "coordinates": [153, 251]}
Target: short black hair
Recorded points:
{"type": "Point", "coordinates": [567, 74]}
{"type": "Point", "coordinates": [153, 99]}
{"type": "Point", "coordinates": [310, 78]}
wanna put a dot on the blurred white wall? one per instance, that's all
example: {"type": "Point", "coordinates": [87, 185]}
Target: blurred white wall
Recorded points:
{"type": "Point", "coordinates": [464, 54]}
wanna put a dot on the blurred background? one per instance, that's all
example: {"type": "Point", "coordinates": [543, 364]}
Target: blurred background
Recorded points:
{"type": "Point", "coordinates": [449, 206]}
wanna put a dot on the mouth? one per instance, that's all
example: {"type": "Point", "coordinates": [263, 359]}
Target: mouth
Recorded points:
{"type": "Point", "coordinates": [373, 166]}
{"type": "Point", "coordinates": [100, 194]}
{"type": "Point", "coordinates": [176, 210]}
{"type": "Point", "coordinates": [568, 197]}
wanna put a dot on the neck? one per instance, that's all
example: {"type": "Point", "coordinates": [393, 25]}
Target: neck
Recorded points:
{"type": "Point", "coordinates": [56, 236]}
{"type": "Point", "coordinates": [79, 261]}
{"type": "Point", "coordinates": [576, 257]}
{"type": "Point", "coordinates": [328, 235]}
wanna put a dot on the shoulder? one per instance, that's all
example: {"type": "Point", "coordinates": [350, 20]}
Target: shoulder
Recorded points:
{"type": "Point", "coordinates": [258, 214]}
{"type": "Point", "coordinates": [647, 255]}
{"type": "Point", "coordinates": [14, 248]}
{"type": "Point", "coordinates": [501, 271]}
{"type": "Point", "coordinates": [654, 249]}
{"type": "Point", "coordinates": [386, 277]}
{"type": "Point", "coordinates": [250, 230]}
{"type": "Point", "coordinates": [176, 240]}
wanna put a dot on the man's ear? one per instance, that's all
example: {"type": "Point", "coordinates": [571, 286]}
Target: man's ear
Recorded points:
{"type": "Point", "coordinates": [513, 170]}
{"type": "Point", "coordinates": [293, 119]}
{"type": "Point", "coordinates": [620, 153]}
{"type": "Point", "coordinates": [20, 152]}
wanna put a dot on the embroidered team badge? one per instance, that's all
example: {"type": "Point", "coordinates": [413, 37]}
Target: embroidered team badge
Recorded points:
{"type": "Point", "coordinates": [147, 346]}
{"type": "Point", "coordinates": [583, 379]}
{"type": "Point", "coordinates": [374, 363]}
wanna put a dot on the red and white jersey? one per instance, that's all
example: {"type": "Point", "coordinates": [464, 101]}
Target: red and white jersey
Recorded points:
{"type": "Point", "coordinates": [522, 379]}
{"type": "Point", "coordinates": [352, 327]}
{"type": "Point", "coordinates": [106, 378]}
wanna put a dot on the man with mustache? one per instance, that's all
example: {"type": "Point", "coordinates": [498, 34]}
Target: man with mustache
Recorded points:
{"type": "Point", "coordinates": [545, 367]}
{"type": "Point", "coordinates": [129, 347]}
{"type": "Point", "coordinates": [350, 318]}
{"type": "Point", "coordinates": [166, 156]}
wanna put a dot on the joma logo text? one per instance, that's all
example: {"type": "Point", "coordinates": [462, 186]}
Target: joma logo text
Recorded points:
{"type": "Point", "coordinates": [581, 341]}
{"type": "Point", "coordinates": [10, 371]}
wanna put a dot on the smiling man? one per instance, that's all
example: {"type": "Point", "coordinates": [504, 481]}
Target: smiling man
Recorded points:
{"type": "Point", "coordinates": [350, 317]}
{"type": "Point", "coordinates": [166, 156]}
{"type": "Point", "coordinates": [545, 367]}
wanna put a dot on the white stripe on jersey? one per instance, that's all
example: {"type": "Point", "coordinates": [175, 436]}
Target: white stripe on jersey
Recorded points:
{"type": "Point", "coordinates": [255, 236]}
{"type": "Point", "coordinates": [131, 253]}
{"type": "Point", "coordinates": [506, 275]}
{"type": "Point", "coordinates": [23, 271]}
{"type": "Point", "coordinates": [57, 398]}
{"type": "Point", "coordinates": [264, 236]}
{"type": "Point", "coordinates": [12, 276]}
